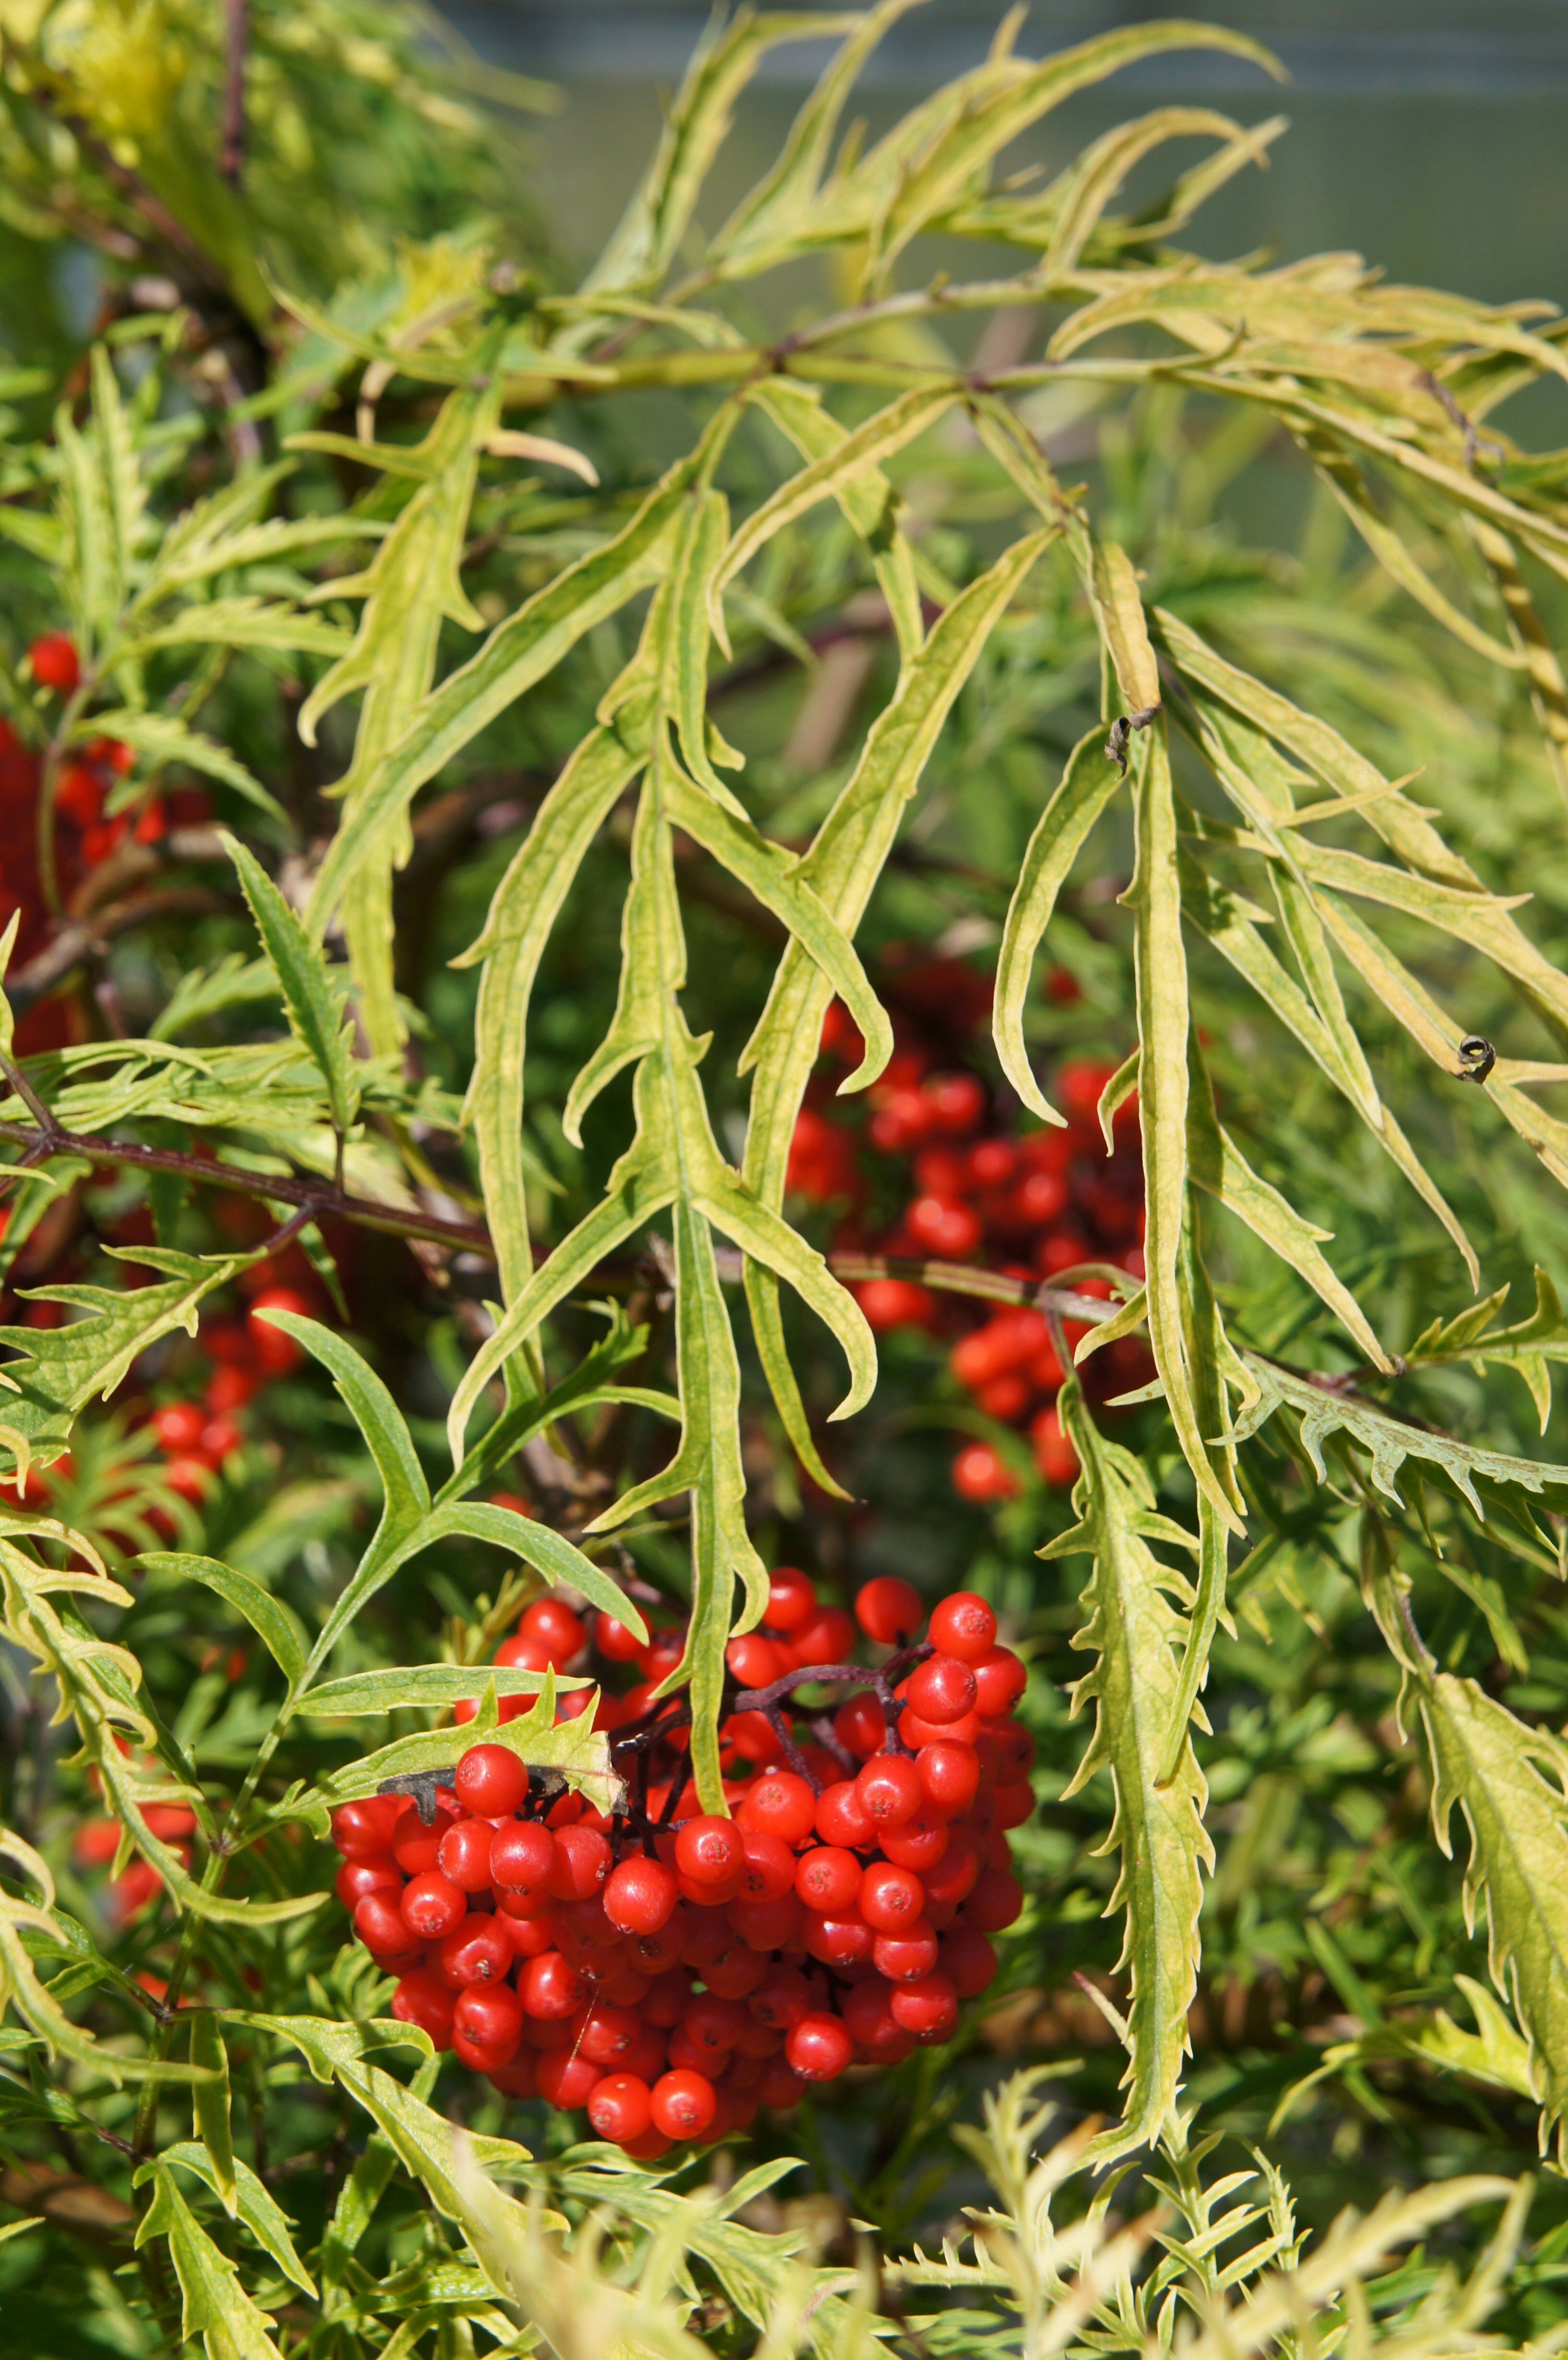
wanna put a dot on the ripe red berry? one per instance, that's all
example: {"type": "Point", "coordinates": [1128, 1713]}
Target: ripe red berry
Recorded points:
{"type": "Point", "coordinates": [479, 1951]}
{"type": "Point", "coordinates": [869, 2018]}
{"type": "Point", "coordinates": [889, 1610]}
{"type": "Point", "coordinates": [615, 1641]}
{"type": "Point", "coordinates": [713, 2023]}
{"type": "Point", "coordinates": [640, 1895]}
{"type": "Point", "coordinates": [381, 1926]}
{"type": "Point", "coordinates": [781, 1998]}
{"type": "Point", "coordinates": [1054, 1452]}
{"type": "Point", "coordinates": [422, 1999]}
{"type": "Point", "coordinates": [920, 1842]}
{"type": "Point", "coordinates": [518, 2079]}
{"type": "Point", "coordinates": [1014, 1802]}
{"type": "Point", "coordinates": [608, 2034]}
{"type": "Point", "coordinates": [964, 1626]}
{"type": "Point", "coordinates": [551, 1624]}
{"type": "Point", "coordinates": [996, 1901]}
{"type": "Point", "coordinates": [581, 1864]}
{"type": "Point", "coordinates": [791, 1599]}
{"type": "Point", "coordinates": [942, 1689]}
{"type": "Point", "coordinates": [943, 1227]}
{"type": "Point", "coordinates": [769, 1870]}
{"type": "Point", "coordinates": [968, 1961]}
{"type": "Point", "coordinates": [841, 1817]}
{"type": "Point", "coordinates": [778, 1805]}
{"type": "Point", "coordinates": [999, 1680]}
{"type": "Point", "coordinates": [861, 1726]}
{"type": "Point", "coordinates": [355, 1878]}
{"type": "Point", "coordinates": [979, 1474]}
{"type": "Point", "coordinates": [890, 1303]}
{"type": "Point", "coordinates": [463, 1854]}
{"type": "Point", "coordinates": [274, 1348]}
{"type": "Point", "coordinates": [819, 2048]}
{"type": "Point", "coordinates": [956, 1101]}
{"type": "Point", "coordinates": [549, 1987]}
{"type": "Point", "coordinates": [682, 2104]}
{"type": "Point", "coordinates": [952, 1878]}
{"type": "Point", "coordinates": [522, 1857]}
{"type": "Point", "coordinates": [889, 1789]}
{"type": "Point", "coordinates": [828, 1879]}
{"type": "Point", "coordinates": [827, 1638]}
{"type": "Point", "coordinates": [566, 2077]}
{"type": "Point", "coordinates": [840, 1941]}
{"type": "Point", "coordinates": [359, 1829]}
{"type": "Point", "coordinates": [773, 1925]}
{"type": "Point", "coordinates": [754, 1660]}
{"type": "Point", "coordinates": [891, 1899]}
{"type": "Point", "coordinates": [780, 2086]}
{"type": "Point", "coordinates": [901, 1956]}
{"type": "Point", "coordinates": [179, 1424]}
{"type": "Point", "coordinates": [54, 662]}
{"type": "Point", "coordinates": [709, 1850]}
{"type": "Point", "coordinates": [620, 2107]}
{"type": "Point", "coordinates": [433, 1905]}
{"type": "Point", "coordinates": [491, 1781]}
{"type": "Point", "coordinates": [520, 1654]}
{"type": "Point", "coordinates": [928, 2008]}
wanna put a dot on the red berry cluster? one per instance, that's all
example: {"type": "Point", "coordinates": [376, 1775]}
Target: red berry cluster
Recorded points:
{"type": "Point", "coordinates": [83, 836]}
{"type": "Point", "coordinates": [1031, 1205]}
{"type": "Point", "coordinates": [673, 1970]}
{"type": "Point", "coordinates": [196, 1436]}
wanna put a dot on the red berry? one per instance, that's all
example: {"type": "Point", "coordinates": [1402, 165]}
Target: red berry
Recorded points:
{"type": "Point", "coordinates": [463, 1854]}
{"type": "Point", "coordinates": [919, 1733]}
{"type": "Point", "coordinates": [942, 1226]}
{"type": "Point", "coordinates": [889, 1789]}
{"type": "Point", "coordinates": [956, 1101]}
{"type": "Point", "coordinates": [518, 2079]}
{"type": "Point", "coordinates": [709, 1851]}
{"type": "Point", "coordinates": [682, 2104]}
{"type": "Point", "coordinates": [433, 1905]}
{"type": "Point", "coordinates": [889, 1610]}
{"type": "Point", "coordinates": [890, 1898]}
{"type": "Point", "coordinates": [1014, 1802]}
{"type": "Point", "coordinates": [754, 1660]}
{"type": "Point", "coordinates": [479, 1951]}
{"type": "Point", "coordinates": [422, 1999]}
{"type": "Point", "coordinates": [920, 1842]}
{"type": "Point", "coordinates": [1054, 1453]}
{"type": "Point", "coordinates": [361, 1829]}
{"type": "Point", "coordinates": [951, 1879]}
{"type": "Point", "coordinates": [274, 1349]}
{"type": "Point", "coordinates": [791, 1599]}
{"type": "Point", "coordinates": [491, 1781]}
{"type": "Point", "coordinates": [780, 1804]}
{"type": "Point", "coordinates": [861, 1726]}
{"type": "Point", "coordinates": [520, 1654]}
{"type": "Point", "coordinates": [522, 1857]}
{"type": "Point", "coordinates": [714, 2025]}
{"type": "Point", "coordinates": [381, 1926]}
{"type": "Point", "coordinates": [869, 2018]}
{"type": "Point", "coordinates": [769, 1872]}
{"type": "Point", "coordinates": [620, 2107]}
{"type": "Point", "coordinates": [179, 1424]}
{"type": "Point", "coordinates": [567, 2079]}
{"type": "Point", "coordinates": [640, 1896]}
{"type": "Point", "coordinates": [908, 1954]}
{"type": "Point", "coordinates": [355, 1878]}
{"type": "Point", "coordinates": [841, 1817]}
{"type": "Point", "coordinates": [826, 1639]}
{"type": "Point", "coordinates": [581, 1864]}
{"type": "Point", "coordinates": [780, 2086]}
{"type": "Point", "coordinates": [774, 1925]}
{"type": "Point", "coordinates": [819, 2048]}
{"type": "Point", "coordinates": [968, 1961]}
{"type": "Point", "coordinates": [54, 662]}
{"type": "Point", "coordinates": [551, 1624]}
{"type": "Point", "coordinates": [890, 1303]}
{"type": "Point", "coordinates": [941, 1688]}
{"type": "Point", "coordinates": [828, 1879]}
{"type": "Point", "coordinates": [996, 1901]}
{"type": "Point", "coordinates": [928, 2008]}
{"type": "Point", "coordinates": [978, 1474]}
{"type": "Point", "coordinates": [549, 1987]}
{"type": "Point", "coordinates": [615, 1641]}
{"type": "Point", "coordinates": [839, 1941]}
{"type": "Point", "coordinates": [608, 2034]}
{"type": "Point", "coordinates": [964, 1626]}
{"type": "Point", "coordinates": [781, 1999]}
{"type": "Point", "coordinates": [999, 1680]}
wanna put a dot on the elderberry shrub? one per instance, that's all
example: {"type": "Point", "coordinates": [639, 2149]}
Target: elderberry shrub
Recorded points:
{"type": "Point", "coordinates": [671, 1970]}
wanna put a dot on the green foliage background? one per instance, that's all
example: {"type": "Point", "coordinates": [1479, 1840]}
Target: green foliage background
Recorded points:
{"type": "Point", "coordinates": [470, 594]}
